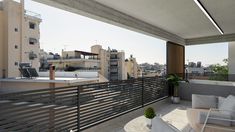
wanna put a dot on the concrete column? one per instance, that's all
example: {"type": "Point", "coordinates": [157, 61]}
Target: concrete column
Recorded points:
{"type": "Point", "coordinates": [231, 61]}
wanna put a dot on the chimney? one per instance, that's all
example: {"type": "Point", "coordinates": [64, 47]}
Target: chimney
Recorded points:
{"type": "Point", "coordinates": [52, 72]}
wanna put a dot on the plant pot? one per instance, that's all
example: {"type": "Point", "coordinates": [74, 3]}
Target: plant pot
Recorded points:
{"type": "Point", "coordinates": [175, 100]}
{"type": "Point", "coordinates": [148, 123]}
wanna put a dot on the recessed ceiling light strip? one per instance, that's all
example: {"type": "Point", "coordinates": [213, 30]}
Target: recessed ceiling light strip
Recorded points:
{"type": "Point", "coordinates": [199, 4]}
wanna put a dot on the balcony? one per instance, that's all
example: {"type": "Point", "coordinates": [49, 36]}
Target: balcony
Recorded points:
{"type": "Point", "coordinates": [101, 107]}
{"type": "Point", "coordinates": [33, 14]}
{"type": "Point", "coordinates": [110, 106]}
{"type": "Point", "coordinates": [77, 107]}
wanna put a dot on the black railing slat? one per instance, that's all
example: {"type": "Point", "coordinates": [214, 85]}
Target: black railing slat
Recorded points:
{"type": "Point", "coordinates": [77, 107]}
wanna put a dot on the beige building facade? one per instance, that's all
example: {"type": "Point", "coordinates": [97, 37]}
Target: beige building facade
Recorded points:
{"type": "Point", "coordinates": [131, 67]}
{"type": "Point", "coordinates": [79, 60]}
{"type": "Point", "coordinates": [19, 38]}
{"type": "Point", "coordinates": [112, 63]}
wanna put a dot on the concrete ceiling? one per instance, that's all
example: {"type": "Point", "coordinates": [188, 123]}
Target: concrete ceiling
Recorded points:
{"type": "Point", "coordinates": [179, 21]}
{"type": "Point", "coordinates": [223, 11]}
{"type": "Point", "coordinates": [181, 17]}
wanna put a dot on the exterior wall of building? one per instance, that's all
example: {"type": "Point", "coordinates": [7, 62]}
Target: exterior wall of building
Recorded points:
{"type": "Point", "coordinates": [231, 60]}
{"type": "Point", "coordinates": [108, 69]}
{"type": "Point", "coordinates": [14, 38]}
{"type": "Point", "coordinates": [82, 63]}
{"type": "Point", "coordinates": [196, 70]}
{"type": "Point", "coordinates": [121, 66]}
{"type": "Point", "coordinates": [67, 54]}
{"type": "Point", "coordinates": [9, 87]}
{"type": "Point", "coordinates": [132, 67]}
{"type": "Point", "coordinates": [104, 57]}
{"type": "Point", "coordinates": [31, 33]}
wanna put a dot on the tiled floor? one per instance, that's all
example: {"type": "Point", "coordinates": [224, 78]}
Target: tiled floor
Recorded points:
{"type": "Point", "coordinates": [174, 114]}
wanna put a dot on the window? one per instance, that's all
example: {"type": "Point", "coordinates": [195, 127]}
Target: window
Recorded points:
{"type": "Point", "coordinates": [16, 29]}
{"type": "Point", "coordinates": [32, 41]}
{"type": "Point", "coordinates": [16, 46]}
{"type": "Point", "coordinates": [16, 63]}
{"type": "Point", "coordinates": [32, 25]}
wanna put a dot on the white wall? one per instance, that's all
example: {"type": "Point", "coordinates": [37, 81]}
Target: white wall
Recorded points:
{"type": "Point", "coordinates": [231, 60]}
{"type": "Point", "coordinates": [71, 74]}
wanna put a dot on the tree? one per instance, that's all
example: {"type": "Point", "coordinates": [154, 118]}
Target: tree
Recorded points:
{"type": "Point", "coordinates": [220, 71]}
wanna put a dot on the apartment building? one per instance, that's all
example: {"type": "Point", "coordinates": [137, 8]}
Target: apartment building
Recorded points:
{"type": "Point", "coordinates": [132, 67]}
{"type": "Point", "coordinates": [76, 60]}
{"type": "Point", "coordinates": [112, 63]}
{"type": "Point", "coordinates": [19, 38]}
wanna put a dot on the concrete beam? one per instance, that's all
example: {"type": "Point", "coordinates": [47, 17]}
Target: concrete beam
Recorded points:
{"type": "Point", "coordinates": [211, 39]}
{"type": "Point", "coordinates": [95, 10]}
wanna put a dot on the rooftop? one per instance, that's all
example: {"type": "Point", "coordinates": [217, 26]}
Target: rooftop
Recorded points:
{"type": "Point", "coordinates": [68, 80]}
{"type": "Point", "coordinates": [85, 53]}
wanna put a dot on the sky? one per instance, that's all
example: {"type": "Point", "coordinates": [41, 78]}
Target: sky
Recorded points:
{"type": "Point", "coordinates": [64, 30]}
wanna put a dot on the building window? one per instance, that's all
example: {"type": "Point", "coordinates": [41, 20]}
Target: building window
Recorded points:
{"type": "Point", "coordinates": [32, 41]}
{"type": "Point", "coordinates": [16, 46]}
{"type": "Point", "coordinates": [16, 63]}
{"type": "Point", "coordinates": [16, 29]}
{"type": "Point", "coordinates": [32, 25]}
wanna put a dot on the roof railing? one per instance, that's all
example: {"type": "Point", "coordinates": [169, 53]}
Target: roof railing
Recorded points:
{"type": "Point", "coordinates": [33, 14]}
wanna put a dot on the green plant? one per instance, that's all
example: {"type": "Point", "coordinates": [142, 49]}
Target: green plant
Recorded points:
{"type": "Point", "coordinates": [149, 113]}
{"type": "Point", "coordinates": [220, 71]}
{"type": "Point", "coordinates": [173, 80]}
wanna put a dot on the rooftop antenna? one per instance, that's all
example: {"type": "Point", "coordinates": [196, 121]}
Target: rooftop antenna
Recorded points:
{"type": "Point", "coordinates": [65, 46]}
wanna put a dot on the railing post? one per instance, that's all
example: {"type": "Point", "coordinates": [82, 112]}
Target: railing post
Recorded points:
{"type": "Point", "coordinates": [142, 92]}
{"type": "Point", "coordinates": [78, 107]}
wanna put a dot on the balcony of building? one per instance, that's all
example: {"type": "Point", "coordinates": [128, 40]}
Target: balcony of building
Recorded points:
{"type": "Point", "coordinates": [33, 15]}
{"type": "Point", "coordinates": [112, 106]}
{"type": "Point", "coordinates": [103, 107]}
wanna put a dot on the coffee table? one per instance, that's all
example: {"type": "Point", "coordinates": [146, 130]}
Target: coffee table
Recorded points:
{"type": "Point", "coordinates": [138, 124]}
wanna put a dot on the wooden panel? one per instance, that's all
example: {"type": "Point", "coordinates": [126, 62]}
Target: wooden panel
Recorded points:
{"type": "Point", "coordinates": [175, 59]}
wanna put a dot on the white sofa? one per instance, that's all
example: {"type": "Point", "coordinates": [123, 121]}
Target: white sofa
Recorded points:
{"type": "Point", "coordinates": [221, 117]}
{"type": "Point", "coordinates": [158, 125]}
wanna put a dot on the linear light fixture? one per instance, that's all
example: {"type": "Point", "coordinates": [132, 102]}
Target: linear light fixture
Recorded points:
{"type": "Point", "coordinates": [199, 4]}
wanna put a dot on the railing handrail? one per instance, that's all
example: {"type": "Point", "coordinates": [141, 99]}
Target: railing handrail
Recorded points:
{"type": "Point", "coordinates": [85, 105]}
{"type": "Point", "coordinates": [33, 14]}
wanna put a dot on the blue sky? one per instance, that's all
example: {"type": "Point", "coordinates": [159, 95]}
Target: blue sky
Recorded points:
{"type": "Point", "coordinates": [61, 29]}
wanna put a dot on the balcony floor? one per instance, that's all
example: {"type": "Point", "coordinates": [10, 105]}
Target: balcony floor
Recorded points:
{"type": "Point", "coordinates": [174, 114]}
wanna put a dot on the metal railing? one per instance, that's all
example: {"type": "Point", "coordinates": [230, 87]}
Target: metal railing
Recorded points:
{"type": "Point", "coordinates": [77, 107]}
{"type": "Point", "coordinates": [33, 14]}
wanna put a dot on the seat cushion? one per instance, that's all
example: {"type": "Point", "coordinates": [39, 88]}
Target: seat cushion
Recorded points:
{"type": "Point", "coordinates": [193, 115]}
{"type": "Point", "coordinates": [216, 118]}
{"type": "Point", "coordinates": [158, 125]}
{"type": "Point", "coordinates": [204, 101]}
{"type": "Point", "coordinates": [228, 107]}
{"type": "Point", "coordinates": [220, 101]}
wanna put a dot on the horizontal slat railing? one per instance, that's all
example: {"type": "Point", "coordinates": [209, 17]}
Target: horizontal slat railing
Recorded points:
{"type": "Point", "coordinates": [77, 107]}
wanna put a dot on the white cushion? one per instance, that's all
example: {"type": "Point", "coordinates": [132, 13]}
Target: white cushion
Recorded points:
{"type": "Point", "coordinates": [220, 101]}
{"type": "Point", "coordinates": [216, 118]}
{"type": "Point", "coordinates": [228, 107]}
{"type": "Point", "coordinates": [158, 125]}
{"type": "Point", "coordinates": [204, 101]}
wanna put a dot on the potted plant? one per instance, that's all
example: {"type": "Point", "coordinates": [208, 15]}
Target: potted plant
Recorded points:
{"type": "Point", "coordinates": [173, 80]}
{"type": "Point", "coordinates": [149, 113]}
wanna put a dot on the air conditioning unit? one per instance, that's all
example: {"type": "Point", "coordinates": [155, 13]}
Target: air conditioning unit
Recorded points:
{"type": "Point", "coordinates": [32, 56]}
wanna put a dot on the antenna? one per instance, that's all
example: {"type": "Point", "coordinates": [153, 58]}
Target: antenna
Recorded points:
{"type": "Point", "coordinates": [65, 46]}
